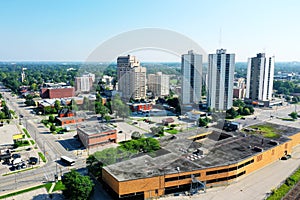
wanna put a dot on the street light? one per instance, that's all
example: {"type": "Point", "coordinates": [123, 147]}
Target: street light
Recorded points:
{"type": "Point", "coordinates": [178, 170]}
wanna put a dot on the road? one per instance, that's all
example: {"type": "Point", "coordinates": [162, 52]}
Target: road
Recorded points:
{"type": "Point", "coordinates": [46, 142]}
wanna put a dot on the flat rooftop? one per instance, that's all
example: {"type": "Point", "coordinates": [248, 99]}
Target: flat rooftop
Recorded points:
{"type": "Point", "coordinates": [94, 128]}
{"type": "Point", "coordinates": [6, 133]}
{"type": "Point", "coordinates": [197, 149]}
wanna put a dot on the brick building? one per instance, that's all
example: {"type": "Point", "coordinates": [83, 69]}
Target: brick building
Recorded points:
{"type": "Point", "coordinates": [196, 160]}
{"type": "Point", "coordinates": [94, 135]}
{"type": "Point", "coordinates": [57, 92]}
{"type": "Point", "coordinates": [65, 112]}
{"type": "Point", "coordinates": [135, 107]}
{"type": "Point", "coordinates": [62, 121]}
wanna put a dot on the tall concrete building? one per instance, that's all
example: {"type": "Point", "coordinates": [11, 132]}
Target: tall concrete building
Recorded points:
{"type": "Point", "coordinates": [220, 80]}
{"type": "Point", "coordinates": [159, 84]}
{"type": "Point", "coordinates": [191, 73]}
{"type": "Point", "coordinates": [260, 77]}
{"type": "Point", "coordinates": [131, 78]}
{"type": "Point", "coordinates": [84, 83]}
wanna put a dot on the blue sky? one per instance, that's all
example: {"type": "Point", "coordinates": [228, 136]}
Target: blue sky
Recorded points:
{"type": "Point", "coordinates": [57, 30]}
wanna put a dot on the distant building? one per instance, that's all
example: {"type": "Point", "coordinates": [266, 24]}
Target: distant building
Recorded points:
{"type": "Point", "coordinates": [136, 107]}
{"type": "Point", "coordinates": [65, 112]}
{"type": "Point", "coordinates": [159, 84]}
{"type": "Point", "coordinates": [57, 92]}
{"type": "Point", "coordinates": [131, 78]}
{"type": "Point", "coordinates": [191, 84]}
{"type": "Point", "coordinates": [108, 81]}
{"type": "Point", "coordinates": [84, 83]}
{"type": "Point", "coordinates": [62, 121]}
{"type": "Point", "coordinates": [260, 77]}
{"type": "Point", "coordinates": [95, 135]}
{"type": "Point", "coordinates": [239, 88]}
{"type": "Point", "coordinates": [220, 80]}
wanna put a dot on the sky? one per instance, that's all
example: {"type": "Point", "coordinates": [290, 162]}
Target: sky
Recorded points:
{"type": "Point", "coordinates": [70, 30]}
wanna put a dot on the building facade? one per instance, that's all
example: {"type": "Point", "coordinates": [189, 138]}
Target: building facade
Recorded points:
{"type": "Point", "coordinates": [191, 73]}
{"type": "Point", "coordinates": [239, 88]}
{"type": "Point", "coordinates": [84, 83]}
{"type": "Point", "coordinates": [95, 135]}
{"type": "Point", "coordinates": [159, 84]}
{"type": "Point", "coordinates": [220, 80]}
{"type": "Point", "coordinates": [57, 92]}
{"type": "Point", "coordinates": [149, 177]}
{"type": "Point", "coordinates": [131, 78]}
{"type": "Point", "coordinates": [260, 75]}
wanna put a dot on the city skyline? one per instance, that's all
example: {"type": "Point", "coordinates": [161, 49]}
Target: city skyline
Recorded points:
{"type": "Point", "coordinates": [70, 31]}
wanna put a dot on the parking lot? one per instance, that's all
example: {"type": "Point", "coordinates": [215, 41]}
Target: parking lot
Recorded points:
{"type": "Point", "coordinates": [12, 160]}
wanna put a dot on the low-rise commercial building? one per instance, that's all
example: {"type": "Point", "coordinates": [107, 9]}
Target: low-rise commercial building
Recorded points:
{"type": "Point", "coordinates": [93, 135]}
{"type": "Point", "coordinates": [195, 160]}
{"type": "Point", "coordinates": [57, 92]}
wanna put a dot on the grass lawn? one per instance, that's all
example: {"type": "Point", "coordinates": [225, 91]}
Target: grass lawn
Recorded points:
{"type": "Point", "coordinates": [59, 186]}
{"type": "Point", "coordinates": [172, 131]}
{"type": "Point", "coordinates": [289, 183]}
{"type": "Point", "coordinates": [22, 191]}
{"type": "Point", "coordinates": [48, 186]}
{"type": "Point", "coordinates": [42, 156]}
{"type": "Point", "coordinates": [265, 130]}
{"type": "Point", "coordinates": [32, 142]}
{"type": "Point", "coordinates": [26, 132]}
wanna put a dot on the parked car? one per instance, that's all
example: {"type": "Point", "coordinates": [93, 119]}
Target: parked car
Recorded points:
{"type": "Point", "coordinates": [33, 160]}
{"type": "Point", "coordinates": [16, 155]}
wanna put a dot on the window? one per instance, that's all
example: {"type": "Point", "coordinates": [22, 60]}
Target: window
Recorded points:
{"type": "Point", "coordinates": [259, 158]}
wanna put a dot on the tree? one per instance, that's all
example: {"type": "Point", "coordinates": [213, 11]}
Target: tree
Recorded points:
{"type": "Point", "coordinates": [287, 98]}
{"type": "Point", "coordinates": [101, 109]}
{"type": "Point", "coordinates": [51, 118]}
{"type": "Point", "coordinates": [231, 113]}
{"type": "Point", "coordinates": [246, 111]}
{"type": "Point", "coordinates": [74, 105]}
{"type": "Point", "coordinates": [157, 130]}
{"type": "Point", "coordinates": [52, 128]}
{"type": "Point", "coordinates": [121, 109]}
{"type": "Point", "coordinates": [78, 187]}
{"type": "Point", "coordinates": [202, 122]}
{"type": "Point", "coordinates": [86, 103]}
{"type": "Point", "coordinates": [238, 103]}
{"type": "Point", "coordinates": [57, 105]}
{"type": "Point", "coordinates": [107, 118]}
{"type": "Point", "coordinates": [293, 115]}
{"type": "Point", "coordinates": [136, 135]}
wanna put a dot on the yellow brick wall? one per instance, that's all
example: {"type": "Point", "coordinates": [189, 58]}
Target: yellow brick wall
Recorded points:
{"type": "Point", "coordinates": [156, 184]}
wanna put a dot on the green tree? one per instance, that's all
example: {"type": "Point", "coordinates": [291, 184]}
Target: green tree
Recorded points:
{"type": "Point", "coordinates": [51, 118]}
{"type": "Point", "coordinates": [202, 122]}
{"type": "Point", "coordinates": [52, 128]}
{"type": "Point", "coordinates": [86, 103]}
{"type": "Point", "coordinates": [107, 118]}
{"type": "Point", "coordinates": [231, 113]}
{"type": "Point", "coordinates": [246, 111]}
{"type": "Point", "coordinates": [101, 109]}
{"type": "Point", "coordinates": [157, 130]}
{"type": "Point", "coordinates": [238, 103]}
{"type": "Point", "coordinates": [293, 115]}
{"type": "Point", "coordinates": [136, 135]}
{"type": "Point", "coordinates": [78, 187]}
{"type": "Point", "coordinates": [57, 105]}
{"type": "Point", "coordinates": [74, 105]}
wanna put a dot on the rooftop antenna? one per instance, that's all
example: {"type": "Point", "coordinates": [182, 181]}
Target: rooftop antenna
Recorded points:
{"type": "Point", "coordinates": [220, 38]}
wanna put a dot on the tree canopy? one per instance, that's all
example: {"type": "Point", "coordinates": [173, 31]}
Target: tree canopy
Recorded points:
{"type": "Point", "coordinates": [78, 187]}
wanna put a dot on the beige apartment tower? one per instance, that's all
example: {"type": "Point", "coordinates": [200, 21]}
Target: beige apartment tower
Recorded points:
{"type": "Point", "coordinates": [131, 78]}
{"type": "Point", "coordinates": [159, 84]}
